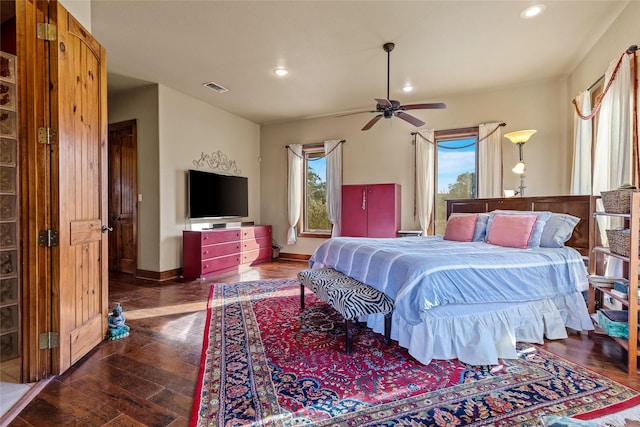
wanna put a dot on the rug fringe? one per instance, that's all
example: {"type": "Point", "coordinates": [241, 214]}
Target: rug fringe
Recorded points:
{"type": "Point", "coordinates": [619, 419]}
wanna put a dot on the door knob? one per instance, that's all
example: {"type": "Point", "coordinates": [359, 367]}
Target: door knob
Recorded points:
{"type": "Point", "coordinates": [116, 218]}
{"type": "Point", "coordinates": [105, 228]}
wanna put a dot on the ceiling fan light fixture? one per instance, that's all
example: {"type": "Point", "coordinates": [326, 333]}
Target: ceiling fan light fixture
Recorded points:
{"type": "Point", "coordinates": [533, 11]}
{"type": "Point", "coordinates": [389, 108]}
{"type": "Point", "coordinates": [280, 71]}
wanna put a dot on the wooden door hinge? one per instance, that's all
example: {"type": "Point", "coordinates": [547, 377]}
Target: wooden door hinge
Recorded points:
{"type": "Point", "coordinates": [45, 31]}
{"type": "Point", "coordinates": [48, 238]}
{"type": "Point", "coordinates": [49, 340]}
{"type": "Point", "coordinates": [46, 135]}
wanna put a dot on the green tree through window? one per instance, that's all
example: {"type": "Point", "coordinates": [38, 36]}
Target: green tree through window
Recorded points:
{"type": "Point", "coordinates": [315, 200]}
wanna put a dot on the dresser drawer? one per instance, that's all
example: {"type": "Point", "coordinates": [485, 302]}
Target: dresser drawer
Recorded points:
{"type": "Point", "coordinates": [220, 249]}
{"type": "Point", "coordinates": [220, 236]}
{"type": "Point", "coordinates": [257, 231]}
{"type": "Point", "coordinates": [252, 244]}
{"type": "Point", "coordinates": [257, 255]}
{"type": "Point", "coordinates": [220, 263]}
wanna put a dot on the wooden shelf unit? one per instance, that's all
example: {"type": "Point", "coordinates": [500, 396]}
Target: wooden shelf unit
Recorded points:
{"type": "Point", "coordinates": [209, 252]}
{"type": "Point", "coordinates": [597, 290]}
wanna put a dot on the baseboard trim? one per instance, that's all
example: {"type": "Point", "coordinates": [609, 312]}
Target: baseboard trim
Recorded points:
{"type": "Point", "coordinates": [296, 257]}
{"type": "Point", "coordinates": [159, 276]}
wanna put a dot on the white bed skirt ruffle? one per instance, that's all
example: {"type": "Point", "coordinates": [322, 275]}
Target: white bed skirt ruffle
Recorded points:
{"type": "Point", "coordinates": [480, 334]}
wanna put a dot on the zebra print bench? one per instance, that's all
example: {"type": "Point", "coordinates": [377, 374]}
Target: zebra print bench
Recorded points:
{"type": "Point", "coordinates": [349, 297]}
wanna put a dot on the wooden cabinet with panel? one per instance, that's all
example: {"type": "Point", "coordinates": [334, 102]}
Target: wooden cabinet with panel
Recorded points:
{"type": "Point", "coordinates": [209, 252]}
{"type": "Point", "coordinates": [370, 210]}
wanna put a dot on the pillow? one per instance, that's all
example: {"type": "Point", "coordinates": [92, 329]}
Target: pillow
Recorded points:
{"type": "Point", "coordinates": [542, 216]}
{"type": "Point", "coordinates": [513, 231]}
{"type": "Point", "coordinates": [480, 232]}
{"type": "Point", "coordinates": [558, 230]}
{"type": "Point", "coordinates": [460, 227]}
{"type": "Point", "coordinates": [558, 421]}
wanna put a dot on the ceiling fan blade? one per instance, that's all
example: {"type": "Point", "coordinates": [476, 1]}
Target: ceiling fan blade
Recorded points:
{"type": "Point", "coordinates": [354, 112]}
{"type": "Point", "coordinates": [409, 118]}
{"type": "Point", "coordinates": [423, 106]}
{"type": "Point", "coordinates": [384, 103]}
{"type": "Point", "coordinates": [372, 122]}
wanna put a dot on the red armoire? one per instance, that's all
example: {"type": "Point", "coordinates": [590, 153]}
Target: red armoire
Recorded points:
{"type": "Point", "coordinates": [370, 210]}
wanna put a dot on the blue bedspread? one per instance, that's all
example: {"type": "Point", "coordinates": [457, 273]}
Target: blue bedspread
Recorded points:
{"type": "Point", "coordinates": [420, 273]}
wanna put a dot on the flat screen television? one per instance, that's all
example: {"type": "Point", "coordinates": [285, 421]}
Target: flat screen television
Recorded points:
{"type": "Point", "coordinates": [212, 195]}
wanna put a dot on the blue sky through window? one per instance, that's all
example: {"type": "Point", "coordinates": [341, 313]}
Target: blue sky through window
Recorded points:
{"type": "Point", "coordinates": [319, 166]}
{"type": "Point", "coordinates": [454, 162]}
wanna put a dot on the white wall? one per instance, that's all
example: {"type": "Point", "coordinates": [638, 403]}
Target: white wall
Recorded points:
{"type": "Point", "coordinates": [142, 105]}
{"type": "Point", "coordinates": [173, 131]}
{"type": "Point", "coordinates": [385, 152]}
{"type": "Point", "coordinates": [188, 128]}
{"type": "Point", "coordinates": [624, 32]}
{"type": "Point", "coordinates": [80, 9]}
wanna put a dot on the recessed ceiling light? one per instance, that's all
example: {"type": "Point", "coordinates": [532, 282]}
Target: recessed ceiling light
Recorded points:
{"type": "Point", "coordinates": [407, 88]}
{"type": "Point", "coordinates": [281, 71]}
{"type": "Point", "coordinates": [533, 11]}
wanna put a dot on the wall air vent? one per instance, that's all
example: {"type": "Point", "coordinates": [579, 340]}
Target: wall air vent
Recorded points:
{"type": "Point", "coordinates": [216, 87]}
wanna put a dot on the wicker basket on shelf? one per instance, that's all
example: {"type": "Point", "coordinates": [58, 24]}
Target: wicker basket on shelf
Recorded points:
{"type": "Point", "coordinates": [617, 201]}
{"type": "Point", "coordinates": [619, 241]}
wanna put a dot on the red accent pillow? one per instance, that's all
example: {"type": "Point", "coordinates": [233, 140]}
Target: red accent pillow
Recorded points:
{"type": "Point", "coordinates": [460, 227]}
{"type": "Point", "coordinates": [512, 231]}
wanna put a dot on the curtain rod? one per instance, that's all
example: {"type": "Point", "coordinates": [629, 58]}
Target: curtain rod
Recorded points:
{"type": "Point", "coordinates": [630, 50]}
{"type": "Point", "coordinates": [600, 79]}
{"type": "Point", "coordinates": [317, 143]}
{"type": "Point", "coordinates": [449, 130]}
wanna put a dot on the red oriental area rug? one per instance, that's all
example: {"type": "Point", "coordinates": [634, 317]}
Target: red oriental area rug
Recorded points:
{"type": "Point", "coordinates": [266, 363]}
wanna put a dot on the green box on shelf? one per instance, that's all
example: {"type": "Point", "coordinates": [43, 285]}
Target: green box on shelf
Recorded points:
{"type": "Point", "coordinates": [614, 322]}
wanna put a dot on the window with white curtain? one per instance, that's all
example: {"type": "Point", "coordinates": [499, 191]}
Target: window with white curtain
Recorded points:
{"type": "Point", "coordinates": [315, 220]}
{"type": "Point", "coordinates": [456, 169]}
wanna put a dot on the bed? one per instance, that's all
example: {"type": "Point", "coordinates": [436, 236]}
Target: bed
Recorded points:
{"type": "Point", "coordinates": [472, 300]}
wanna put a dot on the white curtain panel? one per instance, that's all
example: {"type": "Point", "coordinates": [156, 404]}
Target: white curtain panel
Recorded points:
{"type": "Point", "coordinates": [294, 201]}
{"type": "Point", "coordinates": [489, 160]}
{"type": "Point", "coordinates": [582, 138]}
{"type": "Point", "coordinates": [333, 151]}
{"type": "Point", "coordinates": [613, 153]}
{"type": "Point", "coordinates": [425, 180]}
{"type": "Point", "coordinates": [612, 160]}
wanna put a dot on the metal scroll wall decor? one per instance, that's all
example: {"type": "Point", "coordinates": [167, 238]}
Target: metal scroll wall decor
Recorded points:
{"type": "Point", "coordinates": [218, 160]}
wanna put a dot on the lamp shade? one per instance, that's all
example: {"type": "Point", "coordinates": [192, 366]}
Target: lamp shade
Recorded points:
{"type": "Point", "coordinates": [520, 136]}
{"type": "Point", "coordinates": [519, 168]}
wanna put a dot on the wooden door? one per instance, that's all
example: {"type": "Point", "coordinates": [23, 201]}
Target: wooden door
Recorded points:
{"type": "Point", "coordinates": [35, 185]}
{"type": "Point", "coordinates": [79, 188]}
{"type": "Point", "coordinates": [354, 210]}
{"type": "Point", "coordinates": [123, 190]}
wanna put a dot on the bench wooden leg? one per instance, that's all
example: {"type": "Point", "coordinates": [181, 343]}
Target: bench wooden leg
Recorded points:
{"type": "Point", "coordinates": [387, 328]}
{"type": "Point", "coordinates": [301, 296]}
{"type": "Point", "coordinates": [348, 326]}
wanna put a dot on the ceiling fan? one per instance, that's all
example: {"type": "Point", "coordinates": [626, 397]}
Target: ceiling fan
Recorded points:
{"type": "Point", "coordinates": [388, 108]}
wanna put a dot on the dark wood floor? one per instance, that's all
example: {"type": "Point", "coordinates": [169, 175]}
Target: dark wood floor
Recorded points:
{"type": "Point", "coordinates": [148, 378]}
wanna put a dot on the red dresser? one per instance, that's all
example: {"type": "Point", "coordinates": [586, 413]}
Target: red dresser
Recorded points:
{"type": "Point", "coordinates": [370, 210]}
{"type": "Point", "coordinates": [209, 252]}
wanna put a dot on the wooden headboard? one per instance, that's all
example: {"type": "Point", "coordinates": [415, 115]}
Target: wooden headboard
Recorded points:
{"type": "Point", "coordinates": [579, 206]}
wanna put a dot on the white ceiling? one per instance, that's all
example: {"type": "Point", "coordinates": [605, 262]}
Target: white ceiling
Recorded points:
{"type": "Point", "coordinates": [333, 49]}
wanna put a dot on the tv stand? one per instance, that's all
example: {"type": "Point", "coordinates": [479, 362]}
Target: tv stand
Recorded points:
{"type": "Point", "coordinates": [209, 252]}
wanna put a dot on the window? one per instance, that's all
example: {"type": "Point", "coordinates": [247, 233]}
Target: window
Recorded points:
{"type": "Point", "coordinates": [315, 221]}
{"type": "Point", "coordinates": [456, 166]}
